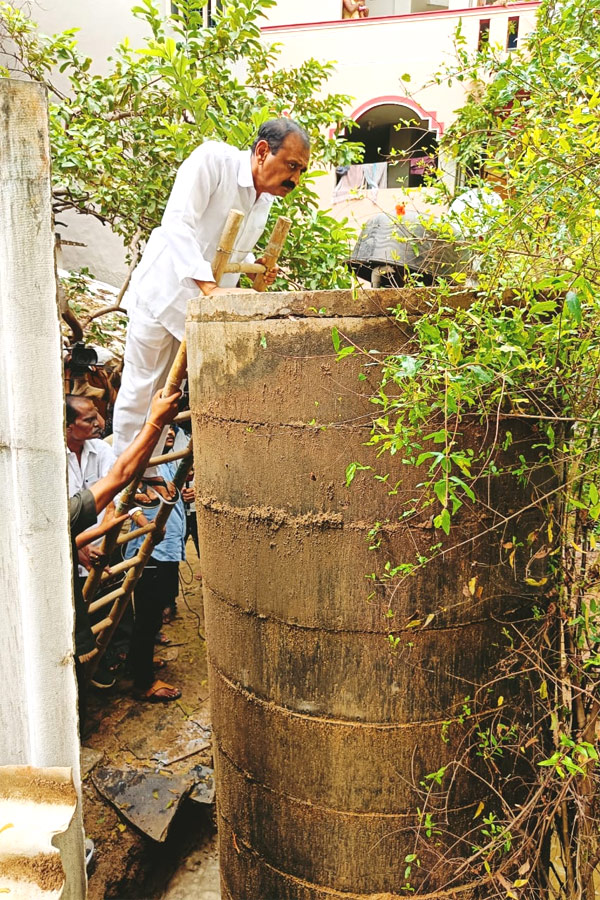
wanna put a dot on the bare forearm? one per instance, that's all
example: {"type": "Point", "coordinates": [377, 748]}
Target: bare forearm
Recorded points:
{"type": "Point", "coordinates": [135, 457]}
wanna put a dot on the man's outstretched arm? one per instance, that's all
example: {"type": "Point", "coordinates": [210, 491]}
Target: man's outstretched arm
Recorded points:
{"type": "Point", "coordinates": [135, 457]}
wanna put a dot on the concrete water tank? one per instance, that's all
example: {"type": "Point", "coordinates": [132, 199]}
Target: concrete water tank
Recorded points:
{"type": "Point", "coordinates": [323, 730]}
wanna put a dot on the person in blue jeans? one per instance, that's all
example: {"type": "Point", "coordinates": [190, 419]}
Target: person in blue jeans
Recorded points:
{"type": "Point", "coordinates": [158, 587]}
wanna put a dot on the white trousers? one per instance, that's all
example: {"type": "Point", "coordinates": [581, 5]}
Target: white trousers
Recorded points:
{"type": "Point", "coordinates": [149, 353]}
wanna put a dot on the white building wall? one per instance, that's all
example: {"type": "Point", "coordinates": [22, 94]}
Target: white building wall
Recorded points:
{"type": "Point", "coordinates": [400, 36]}
{"type": "Point", "coordinates": [371, 57]}
{"type": "Point", "coordinates": [102, 24]}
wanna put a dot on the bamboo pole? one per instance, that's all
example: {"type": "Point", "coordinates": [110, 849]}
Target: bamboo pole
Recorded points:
{"type": "Point", "coordinates": [120, 567]}
{"type": "Point", "coordinates": [226, 244]}
{"type": "Point", "coordinates": [137, 532]}
{"type": "Point", "coordinates": [178, 372]}
{"type": "Point", "coordinates": [154, 537]}
{"type": "Point", "coordinates": [273, 249]}
{"type": "Point", "coordinates": [169, 457]}
{"type": "Point", "coordinates": [246, 268]}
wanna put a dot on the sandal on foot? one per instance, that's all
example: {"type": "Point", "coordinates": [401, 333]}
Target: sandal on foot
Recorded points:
{"type": "Point", "coordinates": [159, 692]}
{"type": "Point", "coordinates": [162, 639]}
{"type": "Point", "coordinates": [147, 498]}
{"type": "Point", "coordinates": [166, 490]}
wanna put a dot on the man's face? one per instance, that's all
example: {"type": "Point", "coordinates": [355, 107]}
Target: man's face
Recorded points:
{"type": "Point", "coordinates": [87, 424]}
{"type": "Point", "coordinates": [170, 439]}
{"type": "Point", "coordinates": [279, 173]}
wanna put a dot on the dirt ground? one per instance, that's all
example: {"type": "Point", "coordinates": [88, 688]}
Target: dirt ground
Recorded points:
{"type": "Point", "coordinates": [172, 737]}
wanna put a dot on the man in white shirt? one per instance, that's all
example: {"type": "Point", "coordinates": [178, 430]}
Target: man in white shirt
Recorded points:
{"type": "Point", "coordinates": [88, 458]}
{"type": "Point", "coordinates": [177, 262]}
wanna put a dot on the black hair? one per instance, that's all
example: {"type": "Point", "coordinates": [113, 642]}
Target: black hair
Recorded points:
{"type": "Point", "coordinates": [73, 403]}
{"type": "Point", "coordinates": [275, 131]}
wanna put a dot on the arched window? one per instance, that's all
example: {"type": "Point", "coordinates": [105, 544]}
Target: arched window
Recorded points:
{"type": "Point", "coordinates": [400, 135]}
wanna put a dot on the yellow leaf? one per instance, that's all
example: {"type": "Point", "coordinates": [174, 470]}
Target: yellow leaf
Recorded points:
{"type": "Point", "coordinates": [550, 531]}
{"type": "Point", "coordinates": [511, 559]}
{"type": "Point", "coordinates": [472, 584]}
{"type": "Point", "coordinates": [4, 827]}
{"type": "Point", "coordinates": [429, 619]}
{"type": "Point", "coordinates": [500, 700]}
{"type": "Point", "coordinates": [535, 583]}
{"type": "Point", "coordinates": [593, 541]}
{"type": "Point", "coordinates": [479, 809]}
{"type": "Point", "coordinates": [155, 794]}
{"type": "Point", "coordinates": [543, 691]}
{"type": "Point", "coordinates": [520, 882]}
{"type": "Point", "coordinates": [121, 827]}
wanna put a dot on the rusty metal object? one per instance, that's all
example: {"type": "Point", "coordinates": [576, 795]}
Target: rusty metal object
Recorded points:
{"type": "Point", "coordinates": [322, 732]}
{"type": "Point", "coordinates": [389, 248]}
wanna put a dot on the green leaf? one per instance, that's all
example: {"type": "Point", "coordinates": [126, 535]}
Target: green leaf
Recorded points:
{"type": "Point", "coordinates": [335, 339]}
{"type": "Point", "coordinates": [440, 491]}
{"type": "Point", "coordinates": [445, 521]}
{"type": "Point", "coordinates": [573, 305]}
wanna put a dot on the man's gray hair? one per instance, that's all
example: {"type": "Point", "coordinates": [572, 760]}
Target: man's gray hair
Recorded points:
{"type": "Point", "coordinates": [275, 131]}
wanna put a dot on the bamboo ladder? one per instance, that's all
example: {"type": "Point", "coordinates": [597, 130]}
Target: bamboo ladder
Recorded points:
{"type": "Point", "coordinates": [117, 600]}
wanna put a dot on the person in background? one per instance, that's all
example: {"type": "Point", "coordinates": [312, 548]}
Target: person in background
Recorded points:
{"type": "Point", "coordinates": [156, 591]}
{"type": "Point", "coordinates": [84, 507]}
{"type": "Point", "coordinates": [354, 10]}
{"type": "Point", "coordinates": [88, 459]}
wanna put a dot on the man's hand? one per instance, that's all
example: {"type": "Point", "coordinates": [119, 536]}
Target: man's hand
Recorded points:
{"type": "Point", "coordinates": [215, 291]}
{"type": "Point", "coordinates": [164, 409]}
{"type": "Point", "coordinates": [187, 494]}
{"type": "Point", "coordinates": [271, 272]}
{"type": "Point", "coordinates": [90, 557]}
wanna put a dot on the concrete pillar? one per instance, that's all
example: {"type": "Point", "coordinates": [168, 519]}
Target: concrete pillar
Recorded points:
{"type": "Point", "coordinates": [38, 717]}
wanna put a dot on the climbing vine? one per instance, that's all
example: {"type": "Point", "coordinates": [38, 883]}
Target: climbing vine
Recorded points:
{"type": "Point", "coordinates": [493, 402]}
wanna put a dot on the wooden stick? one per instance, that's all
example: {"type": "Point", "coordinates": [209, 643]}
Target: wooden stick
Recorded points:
{"type": "Point", "coordinates": [168, 457]}
{"type": "Point", "coordinates": [273, 249]}
{"type": "Point", "coordinates": [153, 531]}
{"type": "Point", "coordinates": [105, 600]}
{"type": "Point", "coordinates": [106, 629]}
{"type": "Point", "coordinates": [101, 626]}
{"type": "Point", "coordinates": [247, 268]}
{"type": "Point", "coordinates": [120, 567]}
{"type": "Point", "coordinates": [178, 371]}
{"type": "Point", "coordinates": [225, 248]}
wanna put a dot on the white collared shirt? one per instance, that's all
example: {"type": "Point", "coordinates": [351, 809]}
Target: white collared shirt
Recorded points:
{"type": "Point", "coordinates": [214, 179]}
{"type": "Point", "coordinates": [97, 458]}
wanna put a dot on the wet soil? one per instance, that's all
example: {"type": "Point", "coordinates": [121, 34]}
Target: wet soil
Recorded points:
{"type": "Point", "coordinates": [122, 732]}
